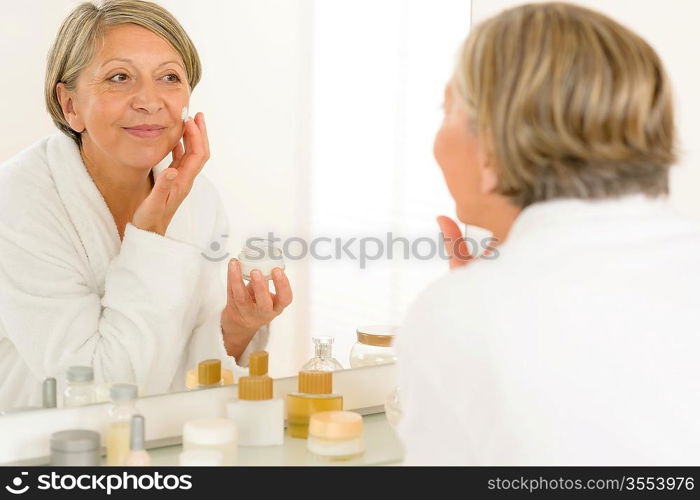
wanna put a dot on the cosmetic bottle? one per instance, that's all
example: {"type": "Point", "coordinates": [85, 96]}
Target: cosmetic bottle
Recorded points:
{"type": "Point", "coordinates": [217, 434]}
{"type": "Point", "coordinates": [315, 395]}
{"type": "Point", "coordinates": [138, 456]}
{"type": "Point", "coordinates": [336, 435]}
{"type": "Point", "coordinates": [123, 408]}
{"type": "Point", "coordinates": [259, 417]}
{"type": "Point", "coordinates": [48, 393]}
{"type": "Point", "coordinates": [75, 447]}
{"type": "Point", "coordinates": [373, 346]}
{"type": "Point", "coordinates": [323, 359]}
{"type": "Point", "coordinates": [208, 374]}
{"type": "Point", "coordinates": [81, 387]}
{"type": "Point", "coordinates": [262, 255]}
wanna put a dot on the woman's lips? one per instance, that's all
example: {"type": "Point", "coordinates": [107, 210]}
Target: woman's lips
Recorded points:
{"type": "Point", "coordinates": [145, 132]}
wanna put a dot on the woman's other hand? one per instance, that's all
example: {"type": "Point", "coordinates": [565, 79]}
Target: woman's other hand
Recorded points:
{"type": "Point", "coordinates": [455, 244]}
{"type": "Point", "coordinates": [250, 307]}
{"type": "Point", "coordinates": [175, 182]}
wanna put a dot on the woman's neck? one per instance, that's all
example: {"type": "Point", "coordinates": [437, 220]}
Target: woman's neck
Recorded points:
{"type": "Point", "coordinates": [123, 188]}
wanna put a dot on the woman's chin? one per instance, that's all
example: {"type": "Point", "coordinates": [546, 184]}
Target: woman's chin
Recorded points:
{"type": "Point", "coordinates": [145, 158]}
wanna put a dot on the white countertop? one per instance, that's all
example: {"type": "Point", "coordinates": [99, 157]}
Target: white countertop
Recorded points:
{"type": "Point", "coordinates": [382, 448]}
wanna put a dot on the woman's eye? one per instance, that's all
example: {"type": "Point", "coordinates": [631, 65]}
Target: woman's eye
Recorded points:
{"type": "Point", "coordinates": [172, 78]}
{"type": "Point", "coordinates": [119, 77]}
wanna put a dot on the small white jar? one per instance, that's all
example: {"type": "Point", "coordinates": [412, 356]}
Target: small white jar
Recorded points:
{"type": "Point", "coordinates": [336, 435]}
{"type": "Point", "coordinates": [262, 255]}
{"type": "Point", "coordinates": [218, 434]}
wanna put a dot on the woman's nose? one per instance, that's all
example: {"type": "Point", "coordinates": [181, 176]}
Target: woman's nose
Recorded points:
{"type": "Point", "coordinates": [146, 98]}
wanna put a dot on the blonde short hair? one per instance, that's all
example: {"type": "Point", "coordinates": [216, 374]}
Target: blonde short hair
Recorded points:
{"type": "Point", "coordinates": [78, 36]}
{"type": "Point", "coordinates": [572, 103]}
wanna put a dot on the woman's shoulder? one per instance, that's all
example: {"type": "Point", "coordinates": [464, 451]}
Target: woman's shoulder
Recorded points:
{"type": "Point", "coordinates": [27, 167]}
{"type": "Point", "coordinates": [25, 180]}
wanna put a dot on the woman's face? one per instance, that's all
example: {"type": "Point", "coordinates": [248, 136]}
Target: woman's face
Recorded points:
{"type": "Point", "coordinates": [129, 99]}
{"type": "Point", "coordinates": [464, 164]}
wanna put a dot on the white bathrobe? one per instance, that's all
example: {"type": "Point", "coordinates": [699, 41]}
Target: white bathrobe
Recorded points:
{"type": "Point", "coordinates": [142, 310]}
{"type": "Point", "coordinates": [577, 345]}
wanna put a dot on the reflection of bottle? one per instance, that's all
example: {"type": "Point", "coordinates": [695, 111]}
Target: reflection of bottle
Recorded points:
{"type": "Point", "coordinates": [259, 417]}
{"type": "Point", "coordinates": [208, 374]}
{"type": "Point", "coordinates": [373, 346]}
{"type": "Point", "coordinates": [315, 394]}
{"type": "Point", "coordinates": [138, 454]}
{"type": "Point", "coordinates": [323, 359]}
{"type": "Point", "coordinates": [48, 393]}
{"type": "Point", "coordinates": [119, 428]}
{"type": "Point", "coordinates": [81, 386]}
{"type": "Point", "coordinates": [392, 407]}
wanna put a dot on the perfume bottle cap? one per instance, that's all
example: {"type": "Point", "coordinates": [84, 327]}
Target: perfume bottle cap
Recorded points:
{"type": "Point", "coordinates": [123, 392]}
{"type": "Point", "coordinates": [258, 363]}
{"type": "Point", "coordinates": [138, 431]}
{"type": "Point", "coordinates": [315, 382]}
{"type": "Point", "coordinates": [209, 372]}
{"type": "Point", "coordinates": [80, 374]}
{"type": "Point", "coordinates": [258, 385]}
{"type": "Point", "coordinates": [48, 393]}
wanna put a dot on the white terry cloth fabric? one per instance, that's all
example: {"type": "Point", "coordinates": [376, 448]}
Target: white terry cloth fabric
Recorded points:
{"type": "Point", "coordinates": [577, 345]}
{"type": "Point", "coordinates": [142, 310]}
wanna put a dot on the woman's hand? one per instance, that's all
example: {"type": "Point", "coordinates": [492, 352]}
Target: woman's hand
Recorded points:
{"type": "Point", "coordinates": [455, 245]}
{"type": "Point", "coordinates": [250, 307]}
{"type": "Point", "coordinates": [175, 182]}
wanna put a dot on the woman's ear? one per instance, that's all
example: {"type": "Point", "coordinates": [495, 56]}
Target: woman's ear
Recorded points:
{"type": "Point", "coordinates": [70, 113]}
{"type": "Point", "coordinates": [488, 167]}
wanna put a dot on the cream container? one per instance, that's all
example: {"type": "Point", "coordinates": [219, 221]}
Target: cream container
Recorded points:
{"type": "Point", "coordinates": [336, 435]}
{"type": "Point", "coordinates": [373, 346]}
{"type": "Point", "coordinates": [76, 447]}
{"type": "Point", "coordinates": [262, 255]}
{"type": "Point", "coordinates": [218, 434]}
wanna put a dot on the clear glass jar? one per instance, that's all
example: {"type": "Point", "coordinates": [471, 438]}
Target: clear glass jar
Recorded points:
{"type": "Point", "coordinates": [373, 346]}
{"type": "Point", "coordinates": [323, 359]}
{"type": "Point", "coordinates": [81, 387]}
{"type": "Point", "coordinates": [260, 254]}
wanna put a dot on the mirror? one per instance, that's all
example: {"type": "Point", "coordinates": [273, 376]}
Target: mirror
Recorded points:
{"type": "Point", "coordinates": [319, 139]}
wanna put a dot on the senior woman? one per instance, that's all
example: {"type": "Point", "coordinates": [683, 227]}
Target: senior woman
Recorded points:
{"type": "Point", "coordinates": [107, 225]}
{"type": "Point", "coordinates": [577, 341]}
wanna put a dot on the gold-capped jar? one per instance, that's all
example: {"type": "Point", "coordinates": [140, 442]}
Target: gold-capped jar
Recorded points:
{"type": "Point", "coordinates": [374, 346]}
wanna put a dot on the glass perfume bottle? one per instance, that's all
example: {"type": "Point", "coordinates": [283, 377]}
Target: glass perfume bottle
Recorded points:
{"type": "Point", "coordinates": [323, 359]}
{"type": "Point", "coordinates": [315, 394]}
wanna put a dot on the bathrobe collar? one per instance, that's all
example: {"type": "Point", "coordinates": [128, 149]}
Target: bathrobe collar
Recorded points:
{"type": "Point", "coordinates": [85, 205]}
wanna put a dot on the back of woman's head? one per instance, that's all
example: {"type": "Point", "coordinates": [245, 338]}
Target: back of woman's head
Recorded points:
{"type": "Point", "coordinates": [571, 103]}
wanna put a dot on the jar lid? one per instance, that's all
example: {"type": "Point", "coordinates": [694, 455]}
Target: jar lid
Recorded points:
{"type": "Point", "coordinates": [335, 425]}
{"type": "Point", "coordinates": [80, 374]}
{"type": "Point", "coordinates": [210, 431]}
{"type": "Point", "coordinates": [377, 335]}
{"type": "Point", "coordinates": [123, 392]}
{"type": "Point", "coordinates": [209, 372]}
{"type": "Point", "coordinates": [75, 440]}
